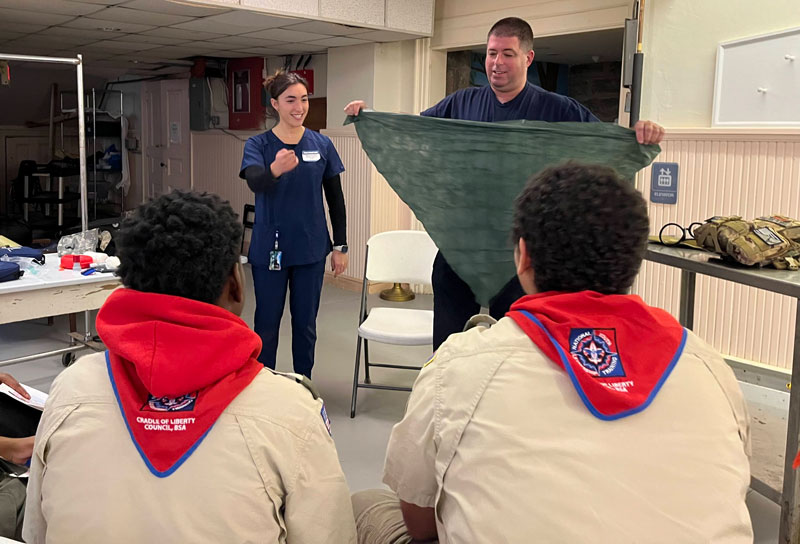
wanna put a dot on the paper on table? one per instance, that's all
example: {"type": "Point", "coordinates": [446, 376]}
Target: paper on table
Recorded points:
{"type": "Point", "coordinates": [37, 399]}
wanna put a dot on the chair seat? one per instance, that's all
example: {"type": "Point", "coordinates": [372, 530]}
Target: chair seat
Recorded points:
{"type": "Point", "coordinates": [398, 326]}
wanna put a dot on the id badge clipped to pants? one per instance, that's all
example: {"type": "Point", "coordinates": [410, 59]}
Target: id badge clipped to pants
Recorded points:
{"type": "Point", "coordinates": [275, 255]}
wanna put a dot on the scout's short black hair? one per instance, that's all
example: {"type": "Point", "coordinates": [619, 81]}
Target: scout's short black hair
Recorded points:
{"type": "Point", "coordinates": [514, 27]}
{"type": "Point", "coordinates": [183, 244]}
{"type": "Point", "coordinates": [585, 228]}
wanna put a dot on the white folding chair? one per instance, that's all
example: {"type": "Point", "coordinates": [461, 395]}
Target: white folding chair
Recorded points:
{"type": "Point", "coordinates": [401, 256]}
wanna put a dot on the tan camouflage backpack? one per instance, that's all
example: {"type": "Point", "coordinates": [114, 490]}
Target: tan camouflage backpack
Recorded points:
{"type": "Point", "coordinates": [766, 241]}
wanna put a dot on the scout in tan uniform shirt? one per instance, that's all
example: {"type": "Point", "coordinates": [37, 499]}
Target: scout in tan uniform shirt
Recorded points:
{"type": "Point", "coordinates": [583, 416]}
{"type": "Point", "coordinates": [177, 433]}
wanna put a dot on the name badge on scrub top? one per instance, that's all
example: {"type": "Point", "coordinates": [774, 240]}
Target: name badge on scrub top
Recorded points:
{"type": "Point", "coordinates": [311, 156]}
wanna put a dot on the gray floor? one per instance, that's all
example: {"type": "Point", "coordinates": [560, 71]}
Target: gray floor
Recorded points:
{"type": "Point", "coordinates": [361, 442]}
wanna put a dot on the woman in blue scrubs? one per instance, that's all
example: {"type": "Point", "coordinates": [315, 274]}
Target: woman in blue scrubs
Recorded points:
{"type": "Point", "coordinates": [288, 168]}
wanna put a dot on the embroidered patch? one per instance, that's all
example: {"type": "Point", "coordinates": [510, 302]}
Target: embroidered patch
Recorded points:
{"type": "Point", "coordinates": [324, 414]}
{"type": "Point", "coordinates": [778, 220]}
{"type": "Point", "coordinates": [596, 351]}
{"type": "Point", "coordinates": [768, 236]}
{"type": "Point", "coordinates": [184, 403]}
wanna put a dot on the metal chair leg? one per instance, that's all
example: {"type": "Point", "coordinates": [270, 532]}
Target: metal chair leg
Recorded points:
{"type": "Point", "coordinates": [366, 362]}
{"type": "Point", "coordinates": [355, 380]}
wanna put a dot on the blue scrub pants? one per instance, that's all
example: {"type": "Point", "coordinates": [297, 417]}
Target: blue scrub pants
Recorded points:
{"type": "Point", "coordinates": [305, 287]}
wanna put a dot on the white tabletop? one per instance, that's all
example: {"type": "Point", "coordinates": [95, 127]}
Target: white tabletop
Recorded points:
{"type": "Point", "coordinates": [48, 276]}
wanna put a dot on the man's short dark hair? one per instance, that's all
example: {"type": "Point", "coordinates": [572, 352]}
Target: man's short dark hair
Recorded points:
{"type": "Point", "coordinates": [514, 27]}
{"type": "Point", "coordinates": [585, 228]}
{"type": "Point", "coordinates": [183, 244]}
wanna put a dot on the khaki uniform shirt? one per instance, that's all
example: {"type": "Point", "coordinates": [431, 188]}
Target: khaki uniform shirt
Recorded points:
{"type": "Point", "coordinates": [496, 438]}
{"type": "Point", "coordinates": [266, 472]}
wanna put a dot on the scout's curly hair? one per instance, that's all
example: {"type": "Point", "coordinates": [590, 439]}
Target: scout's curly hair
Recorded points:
{"type": "Point", "coordinates": [184, 243]}
{"type": "Point", "coordinates": [585, 228]}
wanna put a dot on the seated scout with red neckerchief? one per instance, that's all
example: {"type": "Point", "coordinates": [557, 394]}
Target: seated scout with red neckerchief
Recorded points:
{"type": "Point", "coordinates": [584, 415]}
{"type": "Point", "coordinates": [177, 433]}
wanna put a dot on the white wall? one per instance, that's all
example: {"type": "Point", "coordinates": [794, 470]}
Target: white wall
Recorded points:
{"type": "Point", "coordinates": [680, 51]}
{"type": "Point", "coordinates": [461, 24]}
{"type": "Point", "coordinates": [394, 77]}
{"type": "Point", "coordinates": [352, 76]}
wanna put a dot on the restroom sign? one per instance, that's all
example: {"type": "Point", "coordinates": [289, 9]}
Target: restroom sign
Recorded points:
{"type": "Point", "coordinates": [664, 183]}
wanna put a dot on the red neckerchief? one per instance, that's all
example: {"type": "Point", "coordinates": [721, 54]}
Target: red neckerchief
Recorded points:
{"type": "Point", "coordinates": [616, 350]}
{"type": "Point", "coordinates": [174, 364]}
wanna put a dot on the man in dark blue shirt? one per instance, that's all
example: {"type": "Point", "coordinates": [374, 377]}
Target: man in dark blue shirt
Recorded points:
{"type": "Point", "coordinates": [509, 96]}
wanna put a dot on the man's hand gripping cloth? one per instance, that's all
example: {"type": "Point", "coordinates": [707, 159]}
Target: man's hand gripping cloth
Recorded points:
{"type": "Point", "coordinates": [175, 364]}
{"type": "Point", "coordinates": [617, 351]}
{"type": "Point", "coordinates": [460, 178]}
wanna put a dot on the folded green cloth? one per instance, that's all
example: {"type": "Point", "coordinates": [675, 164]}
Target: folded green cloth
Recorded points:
{"type": "Point", "coordinates": [460, 178]}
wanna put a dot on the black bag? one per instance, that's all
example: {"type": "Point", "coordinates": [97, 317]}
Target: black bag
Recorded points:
{"type": "Point", "coordinates": [9, 271]}
{"type": "Point", "coordinates": [24, 252]}
{"type": "Point", "coordinates": [17, 420]}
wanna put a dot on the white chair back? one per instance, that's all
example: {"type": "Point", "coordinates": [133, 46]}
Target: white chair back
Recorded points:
{"type": "Point", "coordinates": [401, 256]}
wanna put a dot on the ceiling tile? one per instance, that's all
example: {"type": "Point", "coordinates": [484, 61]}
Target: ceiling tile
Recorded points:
{"type": "Point", "coordinates": [170, 52]}
{"type": "Point", "coordinates": [259, 52]}
{"type": "Point", "coordinates": [144, 38]}
{"type": "Point", "coordinates": [206, 24]}
{"type": "Point", "coordinates": [235, 55]}
{"type": "Point", "coordinates": [338, 41]}
{"type": "Point", "coordinates": [126, 15]}
{"type": "Point", "coordinates": [284, 35]}
{"type": "Point", "coordinates": [207, 45]}
{"type": "Point", "coordinates": [172, 8]}
{"type": "Point", "coordinates": [93, 24]}
{"type": "Point", "coordinates": [22, 28]}
{"type": "Point", "coordinates": [142, 63]}
{"type": "Point", "coordinates": [101, 2]}
{"type": "Point", "coordinates": [55, 41]}
{"type": "Point", "coordinates": [32, 17]}
{"type": "Point", "coordinates": [290, 48]}
{"type": "Point", "coordinates": [240, 17]}
{"type": "Point", "coordinates": [52, 6]}
{"type": "Point", "coordinates": [120, 45]}
{"type": "Point", "coordinates": [239, 41]}
{"type": "Point", "coordinates": [333, 29]}
{"type": "Point", "coordinates": [76, 34]}
{"type": "Point", "coordinates": [6, 35]}
{"type": "Point", "coordinates": [188, 35]}
{"type": "Point", "coordinates": [98, 49]}
{"type": "Point", "coordinates": [303, 8]}
{"type": "Point", "coordinates": [385, 36]}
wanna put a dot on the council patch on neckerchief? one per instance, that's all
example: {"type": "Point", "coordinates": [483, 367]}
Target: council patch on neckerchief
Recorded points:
{"type": "Point", "coordinates": [167, 430]}
{"type": "Point", "coordinates": [183, 403]}
{"type": "Point", "coordinates": [595, 350]}
{"type": "Point", "coordinates": [616, 350]}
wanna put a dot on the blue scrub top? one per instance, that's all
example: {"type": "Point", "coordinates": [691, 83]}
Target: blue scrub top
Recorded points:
{"type": "Point", "coordinates": [532, 103]}
{"type": "Point", "coordinates": [293, 207]}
